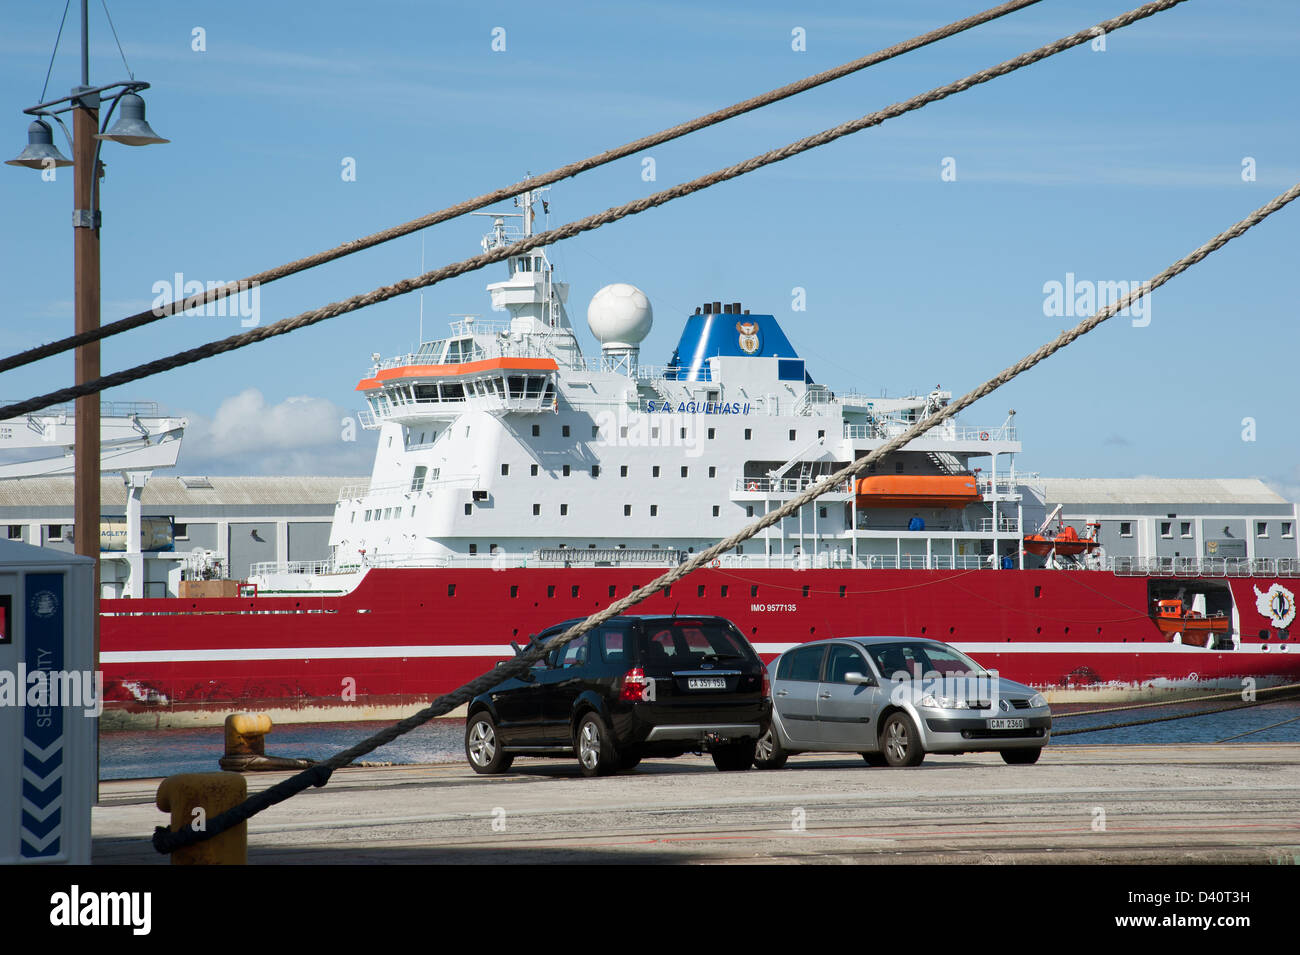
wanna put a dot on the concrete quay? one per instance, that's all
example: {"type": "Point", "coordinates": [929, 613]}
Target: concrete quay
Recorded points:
{"type": "Point", "coordinates": [1194, 804]}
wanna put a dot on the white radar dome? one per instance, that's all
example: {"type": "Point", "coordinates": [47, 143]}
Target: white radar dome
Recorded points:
{"type": "Point", "coordinates": [620, 314]}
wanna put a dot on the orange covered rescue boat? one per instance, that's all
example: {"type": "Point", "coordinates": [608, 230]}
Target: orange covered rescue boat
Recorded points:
{"type": "Point", "coordinates": [922, 490]}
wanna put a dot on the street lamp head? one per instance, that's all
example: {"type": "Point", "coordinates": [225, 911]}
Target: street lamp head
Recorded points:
{"type": "Point", "coordinates": [130, 128]}
{"type": "Point", "coordinates": [41, 152]}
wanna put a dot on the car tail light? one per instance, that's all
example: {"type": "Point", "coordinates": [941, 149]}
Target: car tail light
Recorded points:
{"type": "Point", "coordinates": [767, 686]}
{"type": "Point", "coordinates": [634, 686]}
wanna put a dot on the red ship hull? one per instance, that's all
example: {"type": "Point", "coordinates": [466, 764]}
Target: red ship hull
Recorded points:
{"type": "Point", "coordinates": [404, 636]}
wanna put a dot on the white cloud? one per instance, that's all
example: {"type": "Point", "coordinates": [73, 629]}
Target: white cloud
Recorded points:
{"type": "Point", "coordinates": [301, 435]}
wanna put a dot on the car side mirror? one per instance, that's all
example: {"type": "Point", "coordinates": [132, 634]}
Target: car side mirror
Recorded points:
{"type": "Point", "coordinates": [859, 679]}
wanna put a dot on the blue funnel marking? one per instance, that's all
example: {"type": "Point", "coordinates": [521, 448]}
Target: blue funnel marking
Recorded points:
{"type": "Point", "coordinates": [707, 336]}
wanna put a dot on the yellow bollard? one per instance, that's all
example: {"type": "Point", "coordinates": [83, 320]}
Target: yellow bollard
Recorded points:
{"type": "Point", "coordinates": [213, 793]}
{"type": "Point", "coordinates": [246, 745]}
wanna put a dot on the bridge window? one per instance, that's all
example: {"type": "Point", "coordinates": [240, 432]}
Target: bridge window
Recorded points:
{"type": "Point", "coordinates": [453, 391]}
{"type": "Point", "coordinates": [417, 480]}
{"type": "Point", "coordinates": [516, 385]}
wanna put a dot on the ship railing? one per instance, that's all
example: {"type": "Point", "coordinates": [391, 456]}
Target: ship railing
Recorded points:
{"type": "Point", "coordinates": [983, 434]}
{"type": "Point", "coordinates": [491, 326]}
{"type": "Point", "coordinates": [785, 485]}
{"type": "Point", "coordinates": [841, 559]}
{"type": "Point", "coordinates": [1006, 525]}
{"type": "Point", "coordinates": [1203, 566]}
{"type": "Point", "coordinates": [678, 373]}
{"type": "Point", "coordinates": [498, 348]}
{"type": "Point", "coordinates": [357, 492]}
{"type": "Point", "coordinates": [890, 427]}
{"type": "Point", "coordinates": [107, 409]}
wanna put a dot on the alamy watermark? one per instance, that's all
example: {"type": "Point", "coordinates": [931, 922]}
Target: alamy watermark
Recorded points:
{"type": "Point", "coordinates": [245, 303]}
{"type": "Point", "coordinates": [43, 689]}
{"type": "Point", "coordinates": [1081, 298]}
{"type": "Point", "coordinates": [664, 424]}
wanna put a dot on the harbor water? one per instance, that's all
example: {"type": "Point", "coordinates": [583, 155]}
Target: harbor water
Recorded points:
{"type": "Point", "coordinates": [133, 754]}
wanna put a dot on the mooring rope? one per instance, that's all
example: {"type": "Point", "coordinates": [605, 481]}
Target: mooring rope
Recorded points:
{"type": "Point", "coordinates": [590, 223]}
{"type": "Point", "coordinates": [165, 840]}
{"type": "Point", "coordinates": [1260, 730]}
{"type": "Point", "coordinates": [508, 192]}
{"type": "Point", "coordinates": [1176, 716]}
{"type": "Point", "coordinates": [1187, 699]}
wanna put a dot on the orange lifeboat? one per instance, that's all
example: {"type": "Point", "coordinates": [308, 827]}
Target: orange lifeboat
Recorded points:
{"type": "Point", "coordinates": [927, 490]}
{"type": "Point", "coordinates": [1066, 543]}
{"type": "Point", "coordinates": [1195, 628]}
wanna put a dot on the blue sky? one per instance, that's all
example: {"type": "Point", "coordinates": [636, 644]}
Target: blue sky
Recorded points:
{"type": "Point", "coordinates": [1108, 165]}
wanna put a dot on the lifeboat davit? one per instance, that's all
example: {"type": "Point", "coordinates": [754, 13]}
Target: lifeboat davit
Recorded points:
{"type": "Point", "coordinates": [926, 490]}
{"type": "Point", "coordinates": [1066, 543]}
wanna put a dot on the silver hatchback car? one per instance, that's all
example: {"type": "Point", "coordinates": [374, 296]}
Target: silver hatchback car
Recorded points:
{"type": "Point", "coordinates": [893, 699]}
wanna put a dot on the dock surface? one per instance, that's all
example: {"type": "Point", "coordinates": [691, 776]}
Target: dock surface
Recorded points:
{"type": "Point", "coordinates": [1195, 804]}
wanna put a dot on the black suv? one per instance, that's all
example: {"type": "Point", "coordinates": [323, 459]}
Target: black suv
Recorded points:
{"type": "Point", "coordinates": [637, 686]}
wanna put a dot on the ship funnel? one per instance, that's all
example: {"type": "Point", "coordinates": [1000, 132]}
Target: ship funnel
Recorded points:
{"type": "Point", "coordinates": [620, 317]}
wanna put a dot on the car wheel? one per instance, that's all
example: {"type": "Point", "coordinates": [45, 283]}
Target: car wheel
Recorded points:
{"type": "Point", "coordinates": [483, 746]}
{"type": "Point", "coordinates": [1021, 757]}
{"type": "Point", "coordinates": [594, 746]}
{"type": "Point", "coordinates": [899, 741]}
{"type": "Point", "coordinates": [734, 756]}
{"type": "Point", "coordinates": [629, 759]}
{"type": "Point", "coordinates": [768, 751]}
{"type": "Point", "coordinates": [875, 759]}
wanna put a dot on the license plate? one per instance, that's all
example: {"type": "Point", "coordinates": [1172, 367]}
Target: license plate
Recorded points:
{"type": "Point", "coordinates": [706, 683]}
{"type": "Point", "coordinates": [1006, 724]}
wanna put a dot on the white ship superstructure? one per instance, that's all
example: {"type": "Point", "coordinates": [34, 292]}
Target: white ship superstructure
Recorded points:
{"type": "Point", "coordinates": [504, 444]}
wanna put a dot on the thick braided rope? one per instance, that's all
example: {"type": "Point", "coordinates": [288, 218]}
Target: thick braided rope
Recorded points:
{"type": "Point", "coordinates": [613, 214]}
{"type": "Point", "coordinates": [165, 840]}
{"type": "Point", "coordinates": [533, 182]}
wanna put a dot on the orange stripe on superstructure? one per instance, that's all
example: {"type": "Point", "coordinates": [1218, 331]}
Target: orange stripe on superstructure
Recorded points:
{"type": "Point", "coordinates": [460, 368]}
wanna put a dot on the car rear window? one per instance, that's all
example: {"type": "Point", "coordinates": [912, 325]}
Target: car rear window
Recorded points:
{"type": "Point", "coordinates": [690, 643]}
{"type": "Point", "coordinates": [802, 664]}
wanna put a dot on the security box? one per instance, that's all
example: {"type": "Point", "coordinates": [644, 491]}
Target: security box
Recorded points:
{"type": "Point", "coordinates": [50, 698]}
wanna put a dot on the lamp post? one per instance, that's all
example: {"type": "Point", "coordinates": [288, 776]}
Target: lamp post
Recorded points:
{"type": "Point", "coordinates": [84, 139]}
